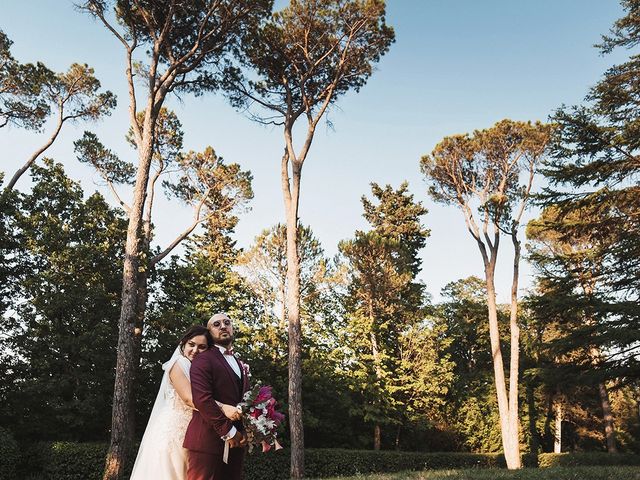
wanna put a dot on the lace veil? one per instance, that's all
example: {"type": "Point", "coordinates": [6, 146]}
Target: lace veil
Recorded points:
{"type": "Point", "coordinates": [164, 402]}
{"type": "Point", "coordinates": [166, 394]}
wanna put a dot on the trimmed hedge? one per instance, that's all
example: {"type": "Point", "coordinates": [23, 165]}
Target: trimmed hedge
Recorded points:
{"type": "Point", "coordinates": [85, 461]}
{"type": "Point", "coordinates": [320, 463]}
{"type": "Point", "coordinates": [587, 459]}
{"type": "Point", "coordinates": [331, 462]}
{"type": "Point", "coordinates": [65, 461]}
{"type": "Point", "coordinates": [9, 455]}
{"type": "Point", "coordinates": [71, 461]}
{"type": "Point", "coordinates": [334, 462]}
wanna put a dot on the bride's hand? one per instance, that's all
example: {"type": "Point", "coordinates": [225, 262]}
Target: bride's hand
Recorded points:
{"type": "Point", "coordinates": [231, 412]}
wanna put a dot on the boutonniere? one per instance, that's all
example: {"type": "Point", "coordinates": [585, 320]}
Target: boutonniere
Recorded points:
{"type": "Point", "coordinates": [245, 369]}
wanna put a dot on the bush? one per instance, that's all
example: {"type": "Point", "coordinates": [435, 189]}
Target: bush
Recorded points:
{"type": "Point", "coordinates": [331, 462]}
{"type": "Point", "coordinates": [74, 461]}
{"type": "Point", "coordinates": [587, 459]}
{"type": "Point", "coordinates": [65, 461]}
{"type": "Point", "coordinates": [85, 461]}
{"type": "Point", "coordinates": [268, 466]}
{"type": "Point", "coordinates": [32, 459]}
{"type": "Point", "coordinates": [9, 455]}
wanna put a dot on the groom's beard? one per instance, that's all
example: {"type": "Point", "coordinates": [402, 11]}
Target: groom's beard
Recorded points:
{"type": "Point", "coordinates": [225, 342]}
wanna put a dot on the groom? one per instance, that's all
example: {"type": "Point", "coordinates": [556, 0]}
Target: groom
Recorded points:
{"type": "Point", "coordinates": [216, 375]}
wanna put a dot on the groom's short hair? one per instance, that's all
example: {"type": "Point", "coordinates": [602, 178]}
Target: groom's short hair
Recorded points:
{"type": "Point", "coordinates": [217, 316]}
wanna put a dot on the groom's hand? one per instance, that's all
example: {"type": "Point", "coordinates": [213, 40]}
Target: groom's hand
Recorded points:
{"type": "Point", "coordinates": [238, 440]}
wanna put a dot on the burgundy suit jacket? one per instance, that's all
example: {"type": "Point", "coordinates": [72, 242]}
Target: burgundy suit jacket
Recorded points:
{"type": "Point", "coordinates": [212, 379]}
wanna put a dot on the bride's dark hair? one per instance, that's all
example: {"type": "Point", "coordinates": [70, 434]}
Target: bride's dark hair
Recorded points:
{"type": "Point", "coordinates": [194, 331]}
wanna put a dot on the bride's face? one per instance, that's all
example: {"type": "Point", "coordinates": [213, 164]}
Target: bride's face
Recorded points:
{"type": "Point", "coordinates": [194, 346]}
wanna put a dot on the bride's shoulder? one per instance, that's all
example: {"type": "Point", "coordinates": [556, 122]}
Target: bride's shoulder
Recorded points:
{"type": "Point", "coordinates": [182, 365]}
{"type": "Point", "coordinates": [184, 361]}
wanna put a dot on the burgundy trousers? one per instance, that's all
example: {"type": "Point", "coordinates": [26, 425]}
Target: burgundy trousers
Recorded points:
{"type": "Point", "coordinates": [209, 466]}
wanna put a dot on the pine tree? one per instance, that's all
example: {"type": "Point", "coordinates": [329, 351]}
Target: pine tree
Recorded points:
{"type": "Point", "coordinates": [302, 60]}
{"type": "Point", "coordinates": [60, 329]}
{"type": "Point", "coordinates": [593, 215]}
{"type": "Point", "coordinates": [489, 176]}
{"type": "Point", "coordinates": [384, 300]}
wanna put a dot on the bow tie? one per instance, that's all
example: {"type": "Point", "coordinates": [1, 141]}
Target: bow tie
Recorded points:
{"type": "Point", "coordinates": [228, 351]}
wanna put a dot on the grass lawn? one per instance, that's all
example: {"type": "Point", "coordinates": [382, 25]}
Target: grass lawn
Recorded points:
{"type": "Point", "coordinates": [556, 473]}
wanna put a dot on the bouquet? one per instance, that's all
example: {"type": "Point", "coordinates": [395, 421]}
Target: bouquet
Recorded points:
{"type": "Point", "coordinates": [260, 418]}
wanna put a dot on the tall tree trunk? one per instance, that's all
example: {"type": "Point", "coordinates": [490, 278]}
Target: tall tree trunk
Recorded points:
{"type": "Point", "coordinates": [557, 434]}
{"type": "Point", "coordinates": [547, 421]}
{"type": "Point", "coordinates": [514, 358]}
{"type": "Point", "coordinates": [141, 308]}
{"type": "Point", "coordinates": [377, 434]}
{"type": "Point", "coordinates": [607, 416]}
{"type": "Point", "coordinates": [510, 443]}
{"type": "Point", "coordinates": [121, 446]}
{"type": "Point", "coordinates": [291, 196]}
{"type": "Point", "coordinates": [376, 361]}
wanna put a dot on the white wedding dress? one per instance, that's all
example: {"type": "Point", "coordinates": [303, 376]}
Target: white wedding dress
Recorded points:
{"type": "Point", "coordinates": [161, 456]}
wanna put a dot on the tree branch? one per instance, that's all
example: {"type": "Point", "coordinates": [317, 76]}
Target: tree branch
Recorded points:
{"type": "Point", "coordinates": [197, 220]}
{"type": "Point", "coordinates": [37, 153]}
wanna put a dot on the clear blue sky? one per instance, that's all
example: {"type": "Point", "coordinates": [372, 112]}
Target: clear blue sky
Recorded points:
{"type": "Point", "coordinates": [457, 65]}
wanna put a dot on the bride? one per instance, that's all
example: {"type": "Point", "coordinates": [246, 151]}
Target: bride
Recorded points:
{"type": "Point", "coordinates": [161, 456]}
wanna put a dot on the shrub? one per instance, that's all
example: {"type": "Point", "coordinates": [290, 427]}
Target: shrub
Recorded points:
{"type": "Point", "coordinates": [331, 462]}
{"type": "Point", "coordinates": [65, 461]}
{"type": "Point", "coordinates": [9, 455]}
{"type": "Point", "coordinates": [587, 459]}
{"type": "Point", "coordinates": [32, 459]}
{"type": "Point", "coordinates": [85, 461]}
{"type": "Point", "coordinates": [74, 461]}
{"type": "Point", "coordinates": [268, 466]}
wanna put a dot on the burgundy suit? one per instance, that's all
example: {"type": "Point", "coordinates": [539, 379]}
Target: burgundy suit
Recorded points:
{"type": "Point", "coordinates": [212, 378]}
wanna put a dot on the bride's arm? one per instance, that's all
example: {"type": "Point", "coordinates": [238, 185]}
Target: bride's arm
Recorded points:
{"type": "Point", "coordinates": [183, 388]}
{"type": "Point", "coordinates": [181, 384]}
{"type": "Point", "coordinates": [231, 412]}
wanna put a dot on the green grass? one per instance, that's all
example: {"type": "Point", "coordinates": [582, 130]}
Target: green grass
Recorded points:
{"type": "Point", "coordinates": [553, 473]}
{"type": "Point", "coordinates": [556, 473]}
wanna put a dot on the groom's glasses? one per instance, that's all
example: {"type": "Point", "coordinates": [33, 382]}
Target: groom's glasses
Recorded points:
{"type": "Point", "coordinates": [218, 323]}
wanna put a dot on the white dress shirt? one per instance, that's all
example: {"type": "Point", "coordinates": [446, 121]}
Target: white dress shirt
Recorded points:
{"type": "Point", "coordinates": [231, 360]}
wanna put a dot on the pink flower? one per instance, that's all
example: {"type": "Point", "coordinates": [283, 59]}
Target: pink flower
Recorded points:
{"type": "Point", "coordinates": [265, 446]}
{"type": "Point", "coordinates": [277, 417]}
{"type": "Point", "coordinates": [272, 413]}
{"type": "Point", "coordinates": [263, 395]}
{"type": "Point", "coordinates": [271, 408]}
